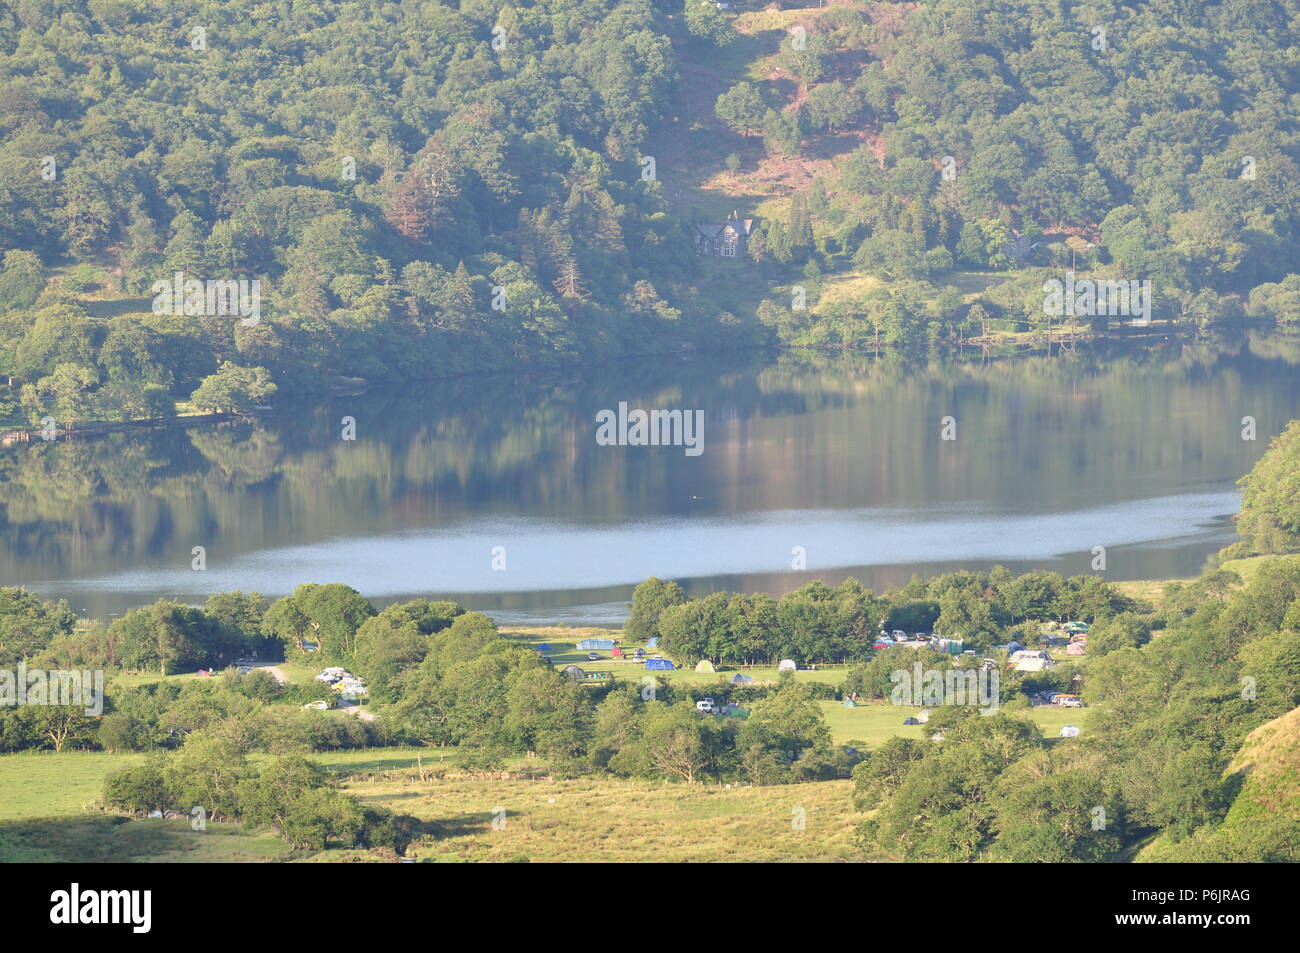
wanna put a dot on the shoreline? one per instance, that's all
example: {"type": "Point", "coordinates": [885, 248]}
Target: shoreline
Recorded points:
{"type": "Point", "coordinates": [1020, 343]}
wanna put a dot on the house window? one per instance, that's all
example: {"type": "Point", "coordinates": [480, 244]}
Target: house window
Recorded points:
{"type": "Point", "coordinates": [728, 248]}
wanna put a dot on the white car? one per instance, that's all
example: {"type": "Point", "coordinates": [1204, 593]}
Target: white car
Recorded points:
{"type": "Point", "coordinates": [706, 705]}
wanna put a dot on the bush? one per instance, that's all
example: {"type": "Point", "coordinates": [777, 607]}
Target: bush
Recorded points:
{"type": "Point", "coordinates": [139, 788]}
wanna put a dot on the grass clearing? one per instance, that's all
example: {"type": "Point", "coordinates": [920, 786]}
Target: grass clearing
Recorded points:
{"type": "Point", "coordinates": [563, 650]}
{"type": "Point", "coordinates": [113, 839]}
{"type": "Point", "coordinates": [621, 821]}
{"type": "Point", "coordinates": [46, 784]}
{"type": "Point", "coordinates": [846, 287]}
{"type": "Point", "coordinates": [877, 723]}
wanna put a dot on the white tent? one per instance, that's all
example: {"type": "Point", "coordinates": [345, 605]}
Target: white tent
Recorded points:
{"type": "Point", "coordinates": [1070, 731]}
{"type": "Point", "coordinates": [787, 665]}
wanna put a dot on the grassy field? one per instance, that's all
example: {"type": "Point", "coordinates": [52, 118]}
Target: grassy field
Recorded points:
{"type": "Point", "coordinates": [876, 724]}
{"type": "Point", "coordinates": [544, 820]}
{"type": "Point", "coordinates": [45, 784]}
{"type": "Point", "coordinates": [110, 839]}
{"type": "Point", "coordinates": [47, 812]}
{"type": "Point", "coordinates": [608, 820]}
{"type": "Point", "coordinates": [561, 647]}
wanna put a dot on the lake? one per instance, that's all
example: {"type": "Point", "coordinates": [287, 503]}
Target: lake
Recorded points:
{"type": "Point", "coordinates": [495, 491]}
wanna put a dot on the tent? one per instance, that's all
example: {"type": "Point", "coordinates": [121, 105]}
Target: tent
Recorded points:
{"type": "Point", "coordinates": [704, 665]}
{"type": "Point", "coordinates": [740, 678]}
{"type": "Point", "coordinates": [910, 721]}
{"type": "Point", "coordinates": [1034, 660]}
{"type": "Point", "coordinates": [617, 653]}
{"type": "Point", "coordinates": [596, 645]}
{"type": "Point", "coordinates": [850, 703]}
{"type": "Point", "coordinates": [787, 665]}
{"type": "Point", "coordinates": [653, 643]}
{"type": "Point", "coordinates": [573, 672]}
{"type": "Point", "coordinates": [660, 665]}
{"type": "Point", "coordinates": [544, 647]}
{"type": "Point", "coordinates": [1075, 648]}
{"type": "Point", "coordinates": [1070, 731]}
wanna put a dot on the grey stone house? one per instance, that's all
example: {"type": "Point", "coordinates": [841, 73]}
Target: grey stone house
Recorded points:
{"type": "Point", "coordinates": [726, 240]}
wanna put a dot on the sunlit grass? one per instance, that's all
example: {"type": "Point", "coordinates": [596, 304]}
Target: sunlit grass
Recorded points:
{"type": "Point", "coordinates": [609, 820]}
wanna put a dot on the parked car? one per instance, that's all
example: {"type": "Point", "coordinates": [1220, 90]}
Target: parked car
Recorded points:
{"type": "Point", "coordinates": [1071, 702]}
{"type": "Point", "coordinates": [898, 634]}
{"type": "Point", "coordinates": [707, 705]}
{"type": "Point", "coordinates": [593, 656]}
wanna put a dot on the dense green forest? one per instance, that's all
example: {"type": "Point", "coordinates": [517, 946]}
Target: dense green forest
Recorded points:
{"type": "Point", "coordinates": [384, 170]}
{"type": "Point", "coordinates": [424, 189]}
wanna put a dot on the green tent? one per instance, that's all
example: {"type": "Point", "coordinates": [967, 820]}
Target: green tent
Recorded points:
{"type": "Point", "coordinates": [705, 666]}
{"type": "Point", "coordinates": [850, 703]}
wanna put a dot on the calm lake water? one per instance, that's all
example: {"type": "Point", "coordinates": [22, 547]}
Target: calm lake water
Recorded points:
{"type": "Point", "coordinates": [1134, 450]}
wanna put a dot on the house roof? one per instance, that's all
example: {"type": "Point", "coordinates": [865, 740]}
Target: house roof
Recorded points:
{"type": "Point", "coordinates": [742, 226]}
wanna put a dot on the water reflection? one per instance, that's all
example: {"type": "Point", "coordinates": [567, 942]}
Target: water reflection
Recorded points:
{"type": "Point", "coordinates": [1137, 451]}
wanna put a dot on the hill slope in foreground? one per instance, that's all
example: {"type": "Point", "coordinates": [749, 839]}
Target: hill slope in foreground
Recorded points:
{"type": "Point", "coordinates": [1265, 816]}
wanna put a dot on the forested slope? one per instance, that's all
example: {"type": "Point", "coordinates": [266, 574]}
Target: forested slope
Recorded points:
{"type": "Point", "coordinates": [427, 188]}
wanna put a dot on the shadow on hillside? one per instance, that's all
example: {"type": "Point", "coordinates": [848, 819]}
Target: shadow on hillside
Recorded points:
{"type": "Point", "coordinates": [92, 839]}
{"type": "Point", "coordinates": [462, 826]}
{"type": "Point", "coordinates": [831, 145]}
{"type": "Point", "coordinates": [117, 307]}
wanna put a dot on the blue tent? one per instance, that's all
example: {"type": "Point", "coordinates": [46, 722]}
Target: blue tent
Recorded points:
{"type": "Point", "coordinates": [544, 647]}
{"type": "Point", "coordinates": [653, 643]}
{"type": "Point", "coordinates": [599, 645]}
{"type": "Point", "coordinates": [660, 665]}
